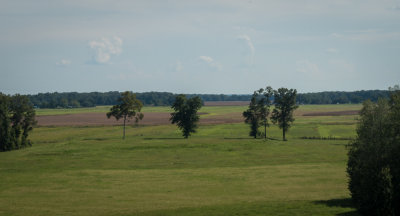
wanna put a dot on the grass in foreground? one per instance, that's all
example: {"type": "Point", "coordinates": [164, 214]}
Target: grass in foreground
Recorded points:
{"type": "Point", "coordinates": [218, 171]}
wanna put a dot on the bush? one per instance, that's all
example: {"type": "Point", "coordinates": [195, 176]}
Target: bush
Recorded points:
{"type": "Point", "coordinates": [373, 165]}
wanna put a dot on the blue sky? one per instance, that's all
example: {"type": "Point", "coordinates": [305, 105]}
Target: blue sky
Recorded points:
{"type": "Point", "coordinates": [219, 46]}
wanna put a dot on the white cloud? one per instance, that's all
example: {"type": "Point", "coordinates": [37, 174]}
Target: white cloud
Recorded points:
{"type": "Point", "coordinates": [307, 68]}
{"type": "Point", "coordinates": [64, 62]}
{"type": "Point", "coordinates": [105, 48]}
{"type": "Point", "coordinates": [207, 59]}
{"type": "Point", "coordinates": [248, 41]}
{"type": "Point", "coordinates": [210, 62]}
{"type": "Point", "coordinates": [249, 44]}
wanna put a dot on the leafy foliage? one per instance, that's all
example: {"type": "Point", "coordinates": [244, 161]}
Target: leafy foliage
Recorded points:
{"type": "Point", "coordinates": [258, 111]}
{"type": "Point", "coordinates": [128, 107]}
{"type": "Point", "coordinates": [285, 104]}
{"type": "Point", "coordinates": [185, 114]}
{"type": "Point", "coordinates": [17, 118]}
{"type": "Point", "coordinates": [374, 163]}
{"type": "Point", "coordinates": [75, 99]}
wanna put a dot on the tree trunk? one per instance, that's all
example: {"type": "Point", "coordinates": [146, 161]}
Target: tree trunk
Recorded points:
{"type": "Point", "coordinates": [124, 127]}
{"type": "Point", "coordinates": [265, 130]}
{"type": "Point", "coordinates": [284, 138]}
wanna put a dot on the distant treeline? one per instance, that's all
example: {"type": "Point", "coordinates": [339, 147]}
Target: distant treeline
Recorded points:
{"type": "Point", "coordinates": [336, 97]}
{"type": "Point", "coordinates": [75, 99]}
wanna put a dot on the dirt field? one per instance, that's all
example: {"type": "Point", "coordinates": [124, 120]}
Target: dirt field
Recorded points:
{"type": "Point", "coordinates": [98, 119]}
{"type": "Point", "coordinates": [157, 118]}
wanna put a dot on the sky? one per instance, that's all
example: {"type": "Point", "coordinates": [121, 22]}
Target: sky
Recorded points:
{"type": "Point", "coordinates": [218, 46]}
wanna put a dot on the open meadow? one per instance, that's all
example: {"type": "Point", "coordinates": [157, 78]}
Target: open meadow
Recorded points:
{"type": "Point", "coordinates": [87, 169]}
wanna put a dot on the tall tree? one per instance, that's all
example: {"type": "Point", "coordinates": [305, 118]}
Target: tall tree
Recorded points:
{"type": "Point", "coordinates": [252, 116]}
{"type": "Point", "coordinates": [17, 118]}
{"type": "Point", "coordinates": [5, 123]}
{"type": "Point", "coordinates": [22, 119]}
{"type": "Point", "coordinates": [285, 104]}
{"type": "Point", "coordinates": [264, 105]}
{"type": "Point", "coordinates": [128, 107]}
{"type": "Point", "coordinates": [185, 114]}
{"type": "Point", "coordinates": [258, 111]}
{"type": "Point", "coordinates": [373, 166]}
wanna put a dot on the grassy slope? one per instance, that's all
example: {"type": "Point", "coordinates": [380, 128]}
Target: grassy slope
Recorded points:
{"type": "Point", "coordinates": [218, 171]}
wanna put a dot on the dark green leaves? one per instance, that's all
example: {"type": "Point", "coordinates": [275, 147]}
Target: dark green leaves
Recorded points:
{"type": "Point", "coordinates": [17, 118]}
{"type": "Point", "coordinates": [185, 114]}
{"type": "Point", "coordinates": [285, 104]}
{"type": "Point", "coordinates": [374, 162]}
{"type": "Point", "coordinates": [128, 107]}
{"type": "Point", "coordinates": [257, 113]}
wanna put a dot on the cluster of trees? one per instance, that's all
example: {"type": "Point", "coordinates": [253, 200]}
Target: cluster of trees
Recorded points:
{"type": "Point", "coordinates": [74, 99]}
{"type": "Point", "coordinates": [336, 97]}
{"type": "Point", "coordinates": [374, 158]}
{"type": "Point", "coordinates": [17, 118]}
{"type": "Point", "coordinates": [184, 115]}
{"type": "Point", "coordinates": [259, 108]}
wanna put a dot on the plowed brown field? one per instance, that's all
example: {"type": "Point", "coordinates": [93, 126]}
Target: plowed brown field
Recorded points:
{"type": "Point", "coordinates": [98, 119]}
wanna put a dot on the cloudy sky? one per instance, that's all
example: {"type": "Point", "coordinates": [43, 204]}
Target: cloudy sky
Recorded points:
{"type": "Point", "coordinates": [218, 46]}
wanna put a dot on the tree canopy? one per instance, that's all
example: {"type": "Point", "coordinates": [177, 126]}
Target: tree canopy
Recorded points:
{"type": "Point", "coordinates": [374, 163]}
{"type": "Point", "coordinates": [128, 107]}
{"type": "Point", "coordinates": [257, 113]}
{"type": "Point", "coordinates": [285, 104]}
{"type": "Point", "coordinates": [185, 114]}
{"type": "Point", "coordinates": [75, 99]}
{"type": "Point", "coordinates": [17, 118]}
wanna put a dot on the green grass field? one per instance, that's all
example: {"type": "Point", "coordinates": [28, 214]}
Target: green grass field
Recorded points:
{"type": "Point", "coordinates": [218, 171]}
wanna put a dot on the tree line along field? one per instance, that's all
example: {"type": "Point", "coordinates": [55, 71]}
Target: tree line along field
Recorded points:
{"type": "Point", "coordinates": [90, 170]}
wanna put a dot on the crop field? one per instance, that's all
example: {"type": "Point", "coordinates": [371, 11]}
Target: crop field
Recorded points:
{"type": "Point", "coordinates": [83, 167]}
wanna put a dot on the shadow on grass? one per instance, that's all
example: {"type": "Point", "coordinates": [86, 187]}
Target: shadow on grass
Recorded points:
{"type": "Point", "coordinates": [238, 138]}
{"type": "Point", "coordinates": [250, 138]}
{"type": "Point", "coordinates": [342, 203]}
{"type": "Point", "coordinates": [164, 138]}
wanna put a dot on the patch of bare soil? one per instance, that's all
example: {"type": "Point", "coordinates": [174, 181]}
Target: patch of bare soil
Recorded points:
{"type": "Point", "coordinates": [226, 103]}
{"type": "Point", "coordinates": [334, 113]}
{"type": "Point", "coordinates": [100, 119]}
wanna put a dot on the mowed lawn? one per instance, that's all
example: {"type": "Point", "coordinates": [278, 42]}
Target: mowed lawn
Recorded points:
{"type": "Point", "coordinates": [217, 171]}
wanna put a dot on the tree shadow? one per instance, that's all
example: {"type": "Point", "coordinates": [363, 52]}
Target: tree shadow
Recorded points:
{"type": "Point", "coordinates": [238, 138]}
{"type": "Point", "coordinates": [164, 138]}
{"type": "Point", "coordinates": [250, 138]}
{"type": "Point", "coordinates": [343, 203]}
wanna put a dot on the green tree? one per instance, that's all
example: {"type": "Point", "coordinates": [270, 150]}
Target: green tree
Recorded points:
{"type": "Point", "coordinates": [185, 114]}
{"type": "Point", "coordinates": [128, 107]}
{"type": "Point", "coordinates": [285, 104]}
{"type": "Point", "coordinates": [258, 111]}
{"type": "Point", "coordinates": [17, 118]}
{"type": "Point", "coordinates": [22, 119]}
{"type": "Point", "coordinates": [374, 163]}
{"type": "Point", "coordinates": [264, 105]}
{"type": "Point", "coordinates": [252, 116]}
{"type": "Point", "coordinates": [5, 123]}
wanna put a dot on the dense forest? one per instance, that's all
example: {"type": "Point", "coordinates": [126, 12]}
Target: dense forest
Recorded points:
{"type": "Point", "coordinates": [75, 99]}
